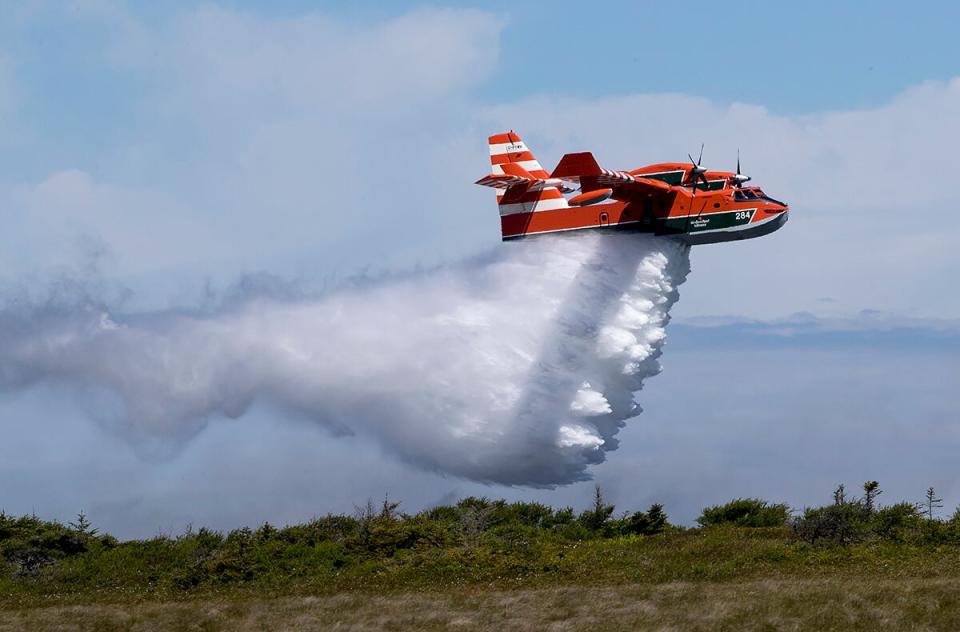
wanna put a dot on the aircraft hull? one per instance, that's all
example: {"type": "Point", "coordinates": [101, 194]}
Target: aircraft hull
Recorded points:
{"type": "Point", "coordinates": [703, 228]}
{"type": "Point", "coordinates": [749, 232]}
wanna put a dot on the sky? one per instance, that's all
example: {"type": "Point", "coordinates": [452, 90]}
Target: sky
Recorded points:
{"type": "Point", "coordinates": [162, 152]}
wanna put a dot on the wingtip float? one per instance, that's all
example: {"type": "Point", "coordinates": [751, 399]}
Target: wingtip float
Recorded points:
{"type": "Point", "coordinates": [682, 199]}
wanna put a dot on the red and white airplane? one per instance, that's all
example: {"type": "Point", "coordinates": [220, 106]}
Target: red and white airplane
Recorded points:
{"type": "Point", "coordinates": [670, 198]}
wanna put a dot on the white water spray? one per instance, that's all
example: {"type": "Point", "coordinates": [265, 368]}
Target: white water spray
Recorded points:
{"type": "Point", "coordinates": [518, 369]}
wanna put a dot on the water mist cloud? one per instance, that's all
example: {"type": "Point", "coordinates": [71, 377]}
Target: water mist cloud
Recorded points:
{"type": "Point", "coordinates": [517, 368]}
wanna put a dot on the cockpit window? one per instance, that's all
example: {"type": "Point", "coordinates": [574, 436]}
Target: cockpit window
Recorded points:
{"type": "Point", "coordinates": [754, 193]}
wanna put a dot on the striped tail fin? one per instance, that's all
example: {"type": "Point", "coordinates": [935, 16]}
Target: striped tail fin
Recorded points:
{"type": "Point", "coordinates": [518, 195]}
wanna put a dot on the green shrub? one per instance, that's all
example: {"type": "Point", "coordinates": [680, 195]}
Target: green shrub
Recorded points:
{"type": "Point", "coordinates": [597, 518]}
{"type": "Point", "coordinates": [650, 523]}
{"type": "Point", "coordinates": [745, 512]}
{"type": "Point", "coordinates": [843, 523]}
{"type": "Point", "coordinates": [896, 522]}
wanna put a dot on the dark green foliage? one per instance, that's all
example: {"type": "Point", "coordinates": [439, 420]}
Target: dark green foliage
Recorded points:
{"type": "Point", "coordinates": [745, 512]}
{"type": "Point", "coordinates": [840, 494]}
{"type": "Point", "coordinates": [956, 515]}
{"type": "Point", "coordinates": [29, 544]}
{"type": "Point", "coordinates": [477, 536]}
{"type": "Point", "coordinates": [477, 541]}
{"type": "Point", "coordinates": [896, 522]}
{"type": "Point", "coordinates": [871, 489]}
{"type": "Point", "coordinates": [931, 503]}
{"type": "Point", "coordinates": [839, 523]}
{"type": "Point", "coordinates": [650, 523]}
{"type": "Point", "coordinates": [82, 525]}
{"type": "Point", "coordinates": [848, 522]}
{"type": "Point", "coordinates": [596, 519]}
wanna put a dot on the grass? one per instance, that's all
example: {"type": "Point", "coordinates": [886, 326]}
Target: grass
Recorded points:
{"type": "Point", "coordinates": [836, 602]}
{"type": "Point", "coordinates": [488, 565]}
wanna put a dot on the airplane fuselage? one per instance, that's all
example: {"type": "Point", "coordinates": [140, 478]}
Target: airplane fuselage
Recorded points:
{"type": "Point", "coordinates": [718, 212]}
{"type": "Point", "coordinates": [684, 200]}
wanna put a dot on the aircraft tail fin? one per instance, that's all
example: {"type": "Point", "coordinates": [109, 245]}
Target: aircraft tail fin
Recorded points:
{"type": "Point", "coordinates": [572, 166]}
{"type": "Point", "coordinates": [523, 185]}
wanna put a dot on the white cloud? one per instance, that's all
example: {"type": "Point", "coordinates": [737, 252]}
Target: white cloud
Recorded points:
{"type": "Point", "coordinates": [235, 63]}
{"type": "Point", "coordinates": [45, 221]}
{"type": "Point", "coordinates": [262, 141]}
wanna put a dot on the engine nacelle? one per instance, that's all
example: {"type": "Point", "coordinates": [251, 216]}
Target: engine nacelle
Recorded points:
{"type": "Point", "coordinates": [590, 197]}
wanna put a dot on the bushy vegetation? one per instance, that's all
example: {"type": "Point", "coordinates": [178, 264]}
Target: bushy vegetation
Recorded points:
{"type": "Point", "coordinates": [852, 520]}
{"type": "Point", "coordinates": [477, 537]}
{"type": "Point", "coordinates": [475, 541]}
{"type": "Point", "coordinates": [745, 512]}
{"type": "Point", "coordinates": [28, 544]}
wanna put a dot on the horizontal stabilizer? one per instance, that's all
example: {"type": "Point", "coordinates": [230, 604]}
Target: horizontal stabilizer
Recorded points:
{"type": "Point", "coordinates": [516, 175]}
{"type": "Point", "coordinates": [502, 181]}
{"type": "Point", "coordinates": [516, 169]}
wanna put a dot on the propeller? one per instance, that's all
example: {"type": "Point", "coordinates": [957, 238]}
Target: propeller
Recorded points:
{"type": "Point", "coordinates": [697, 172]}
{"type": "Point", "coordinates": [739, 179]}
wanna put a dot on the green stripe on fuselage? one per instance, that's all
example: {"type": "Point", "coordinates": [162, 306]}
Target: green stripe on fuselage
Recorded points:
{"type": "Point", "coordinates": [676, 177]}
{"type": "Point", "coordinates": [670, 177]}
{"type": "Point", "coordinates": [712, 185]}
{"type": "Point", "coordinates": [709, 221]}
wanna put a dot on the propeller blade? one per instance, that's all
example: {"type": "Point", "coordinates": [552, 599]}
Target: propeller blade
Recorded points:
{"type": "Point", "coordinates": [738, 161]}
{"type": "Point", "coordinates": [691, 160]}
{"type": "Point", "coordinates": [701, 155]}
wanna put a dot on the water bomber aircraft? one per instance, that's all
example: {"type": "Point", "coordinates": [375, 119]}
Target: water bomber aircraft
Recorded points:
{"type": "Point", "coordinates": [681, 199]}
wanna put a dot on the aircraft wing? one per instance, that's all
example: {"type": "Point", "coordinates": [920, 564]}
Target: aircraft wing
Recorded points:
{"type": "Point", "coordinates": [583, 170]}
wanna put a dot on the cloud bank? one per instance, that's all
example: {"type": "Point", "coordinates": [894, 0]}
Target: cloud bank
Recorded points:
{"type": "Point", "coordinates": [517, 368]}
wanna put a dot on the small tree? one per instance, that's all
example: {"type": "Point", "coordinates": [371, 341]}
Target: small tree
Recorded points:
{"type": "Point", "coordinates": [596, 518]}
{"type": "Point", "coordinates": [871, 489]}
{"type": "Point", "coordinates": [475, 519]}
{"type": "Point", "coordinates": [840, 495]}
{"type": "Point", "coordinates": [82, 525]}
{"type": "Point", "coordinates": [652, 522]}
{"type": "Point", "coordinates": [365, 517]}
{"type": "Point", "coordinates": [388, 511]}
{"type": "Point", "coordinates": [931, 502]}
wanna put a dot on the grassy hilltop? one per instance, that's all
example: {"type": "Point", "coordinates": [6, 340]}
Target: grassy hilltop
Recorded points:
{"type": "Point", "coordinates": [492, 564]}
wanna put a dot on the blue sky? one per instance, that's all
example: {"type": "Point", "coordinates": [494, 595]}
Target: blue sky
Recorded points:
{"type": "Point", "coordinates": [170, 149]}
{"type": "Point", "coordinates": [791, 58]}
